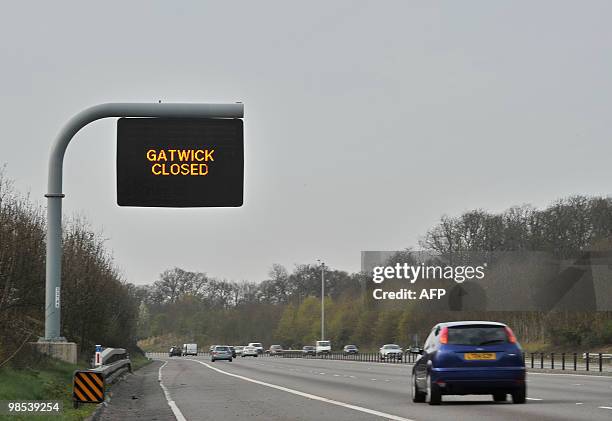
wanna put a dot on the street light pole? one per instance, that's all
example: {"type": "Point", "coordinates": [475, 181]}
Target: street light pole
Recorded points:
{"type": "Point", "coordinates": [322, 299]}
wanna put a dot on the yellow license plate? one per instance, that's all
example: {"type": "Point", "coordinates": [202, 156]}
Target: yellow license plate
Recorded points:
{"type": "Point", "coordinates": [479, 356]}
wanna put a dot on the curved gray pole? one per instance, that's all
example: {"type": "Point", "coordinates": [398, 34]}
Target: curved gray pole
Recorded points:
{"type": "Point", "coordinates": [54, 190]}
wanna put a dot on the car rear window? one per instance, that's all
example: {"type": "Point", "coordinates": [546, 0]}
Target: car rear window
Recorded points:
{"type": "Point", "coordinates": [391, 347]}
{"type": "Point", "coordinates": [256, 344]}
{"type": "Point", "coordinates": [476, 335]}
{"type": "Point", "coordinates": [221, 348]}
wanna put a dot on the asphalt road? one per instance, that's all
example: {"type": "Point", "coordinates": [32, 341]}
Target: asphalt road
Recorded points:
{"type": "Point", "coordinates": [310, 389]}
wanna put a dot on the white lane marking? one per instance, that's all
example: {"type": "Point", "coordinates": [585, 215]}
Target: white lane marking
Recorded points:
{"type": "Point", "coordinates": [336, 375]}
{"type": "Point", "coordinates": [534, 399]}
{"type": "Point", "coordinates": [605, 407]}
{"type": "Point", "coordinates": [175, 409]}
{"type": "Point", "coordinates": [577, 384]}
{"type": "Point", "coordinates": [308, 395]}
{"type": "Point", "coordinates": [579, 403]}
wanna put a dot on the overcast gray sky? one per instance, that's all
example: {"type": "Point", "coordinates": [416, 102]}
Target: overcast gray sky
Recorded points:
{"type": "Point", "coordinates": [364, 121]}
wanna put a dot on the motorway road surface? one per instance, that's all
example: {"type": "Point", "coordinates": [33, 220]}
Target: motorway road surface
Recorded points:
{"type": "Point", "coordinates": [310, 389]}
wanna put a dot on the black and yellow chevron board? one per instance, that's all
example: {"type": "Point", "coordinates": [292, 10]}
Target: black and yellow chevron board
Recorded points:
{"type": "Point", "coordinates": [88, 387]}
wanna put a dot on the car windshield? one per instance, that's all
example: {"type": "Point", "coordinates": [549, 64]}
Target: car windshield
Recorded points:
{"type": "Point", "coordinates": [308, 347]}
{"type": "Point", "coordinates": [323, 343]}
{"type": "Point", "coordinates": [257, 345]}
{"type": "Point", "coordinates": [350, 347]}
{"type": "Point", "coordinates": [391, 347]}
{"type": "Point", "coordinates": [476, 335]}
{"type": "Point", "coordinates": [275, 347]}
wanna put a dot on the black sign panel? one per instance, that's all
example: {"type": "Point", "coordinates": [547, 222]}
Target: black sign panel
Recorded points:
{"type": "Point", "coordinates": [180, 162]}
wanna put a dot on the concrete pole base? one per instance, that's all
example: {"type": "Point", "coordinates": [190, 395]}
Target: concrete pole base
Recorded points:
{"type": "Point", "coordinates": [64, 351]}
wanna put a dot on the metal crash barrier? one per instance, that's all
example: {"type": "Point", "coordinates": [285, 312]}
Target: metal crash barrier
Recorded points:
{"type": "Point", "coordinates": [89, 386]}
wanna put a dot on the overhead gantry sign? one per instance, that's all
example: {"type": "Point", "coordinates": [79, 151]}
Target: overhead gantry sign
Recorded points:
{"type": "Point", "coordinates": [168, 155]}
{"type": "Point", "coordinates": [180, 162]}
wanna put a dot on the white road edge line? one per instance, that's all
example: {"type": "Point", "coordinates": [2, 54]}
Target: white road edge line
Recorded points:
{"type": "Point", "coordinates": [605, 407]}
{"type": "Point", "coordinates": [534, 399]}
{"type": "Point", "coordinates": [175, 409]}
{"type": "Point", "coordinates": [307, 395]}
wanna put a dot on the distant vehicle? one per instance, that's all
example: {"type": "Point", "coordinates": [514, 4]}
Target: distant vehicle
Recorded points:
{"type": "Point", "coordinates": [351, 349]}
{"type": "Point", "coordinates": [221, 352]}
{"type": "Point", "coordinates": [190, 349]}
{"type": "Point", "coordinates": [175, 351]}
{"type": "Point", "coordinates": [258, 345]}
{"type": "Point", "coordinates": [309, 350]}
{"type": "Point", "coordinates": [275, 350]}
{"type": "Point", "coordinates": [249, 351]}
{"type": "Point", "coordinates": [233, 351]}
{"type": "Point", "coordinates": [391, 352]}
{"type": "Point", "coordinates": [463, 358]}
{"type": "Point", "coordinates": [323, 347]}
{"type": "Point", "coordinates": [238, 349]}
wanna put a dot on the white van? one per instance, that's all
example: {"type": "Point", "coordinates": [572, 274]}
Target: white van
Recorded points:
{"type": "Point", "coordinates": [258, 346]}
{"type": "Point", "coordinates": [323, 347]}
{"type": "Point", "coordinates": [190, 349]}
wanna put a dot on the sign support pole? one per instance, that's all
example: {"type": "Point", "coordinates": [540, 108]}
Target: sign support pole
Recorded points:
{"type": "Point", "coordinates": [54, 192]}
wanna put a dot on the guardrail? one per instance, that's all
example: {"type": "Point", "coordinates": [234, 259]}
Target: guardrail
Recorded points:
{"type": "Point", "coordinates": [115, 361]}
{"type": "Point", "coordinates": [89, 386]}
{"type": "Point", "coordinates": [404, 358]}
{"type": "Point", "coordinates": [588, 361]}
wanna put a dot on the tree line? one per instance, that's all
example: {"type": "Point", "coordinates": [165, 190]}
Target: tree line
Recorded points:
{"type": "Point", "coordinates": [99, 306]}
{"type": "Point", "coordinates": [285, 308]}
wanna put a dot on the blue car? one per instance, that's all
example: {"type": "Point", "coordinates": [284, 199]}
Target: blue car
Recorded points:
{"type": "Point", "coordinates": [469, 358]}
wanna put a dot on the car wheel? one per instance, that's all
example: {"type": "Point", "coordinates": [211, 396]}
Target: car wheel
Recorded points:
{"type": "Point", "coordinates": [230, 360]}
{"type": "Point", "coordinates": [255, 356]}
{"type": "Point", "coordinates": [212, 360]}
{"type": "Point", "coordinates": [499, 397]}
{"type": "Point", "coordinates": [417, 395]}
{"type": "Point", "coordinates": [520, 395]}
{"type": "Point", "coordinates": [434, 395]}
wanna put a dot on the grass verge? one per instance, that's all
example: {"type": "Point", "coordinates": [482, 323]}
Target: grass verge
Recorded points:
{"type": "Point", "coordinates": [42, 378]}
{"type": "Point", "coordinates": [138, 361]}
{"type": "Point", "coordinates": [46, 379]}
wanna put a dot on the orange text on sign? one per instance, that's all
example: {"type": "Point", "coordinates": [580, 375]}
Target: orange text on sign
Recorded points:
{"type": "Point", "coordinates": [191, 162]}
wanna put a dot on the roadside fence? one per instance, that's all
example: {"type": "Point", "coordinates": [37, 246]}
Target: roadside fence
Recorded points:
{"type": "Point", "coordinates": [562, 361]}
